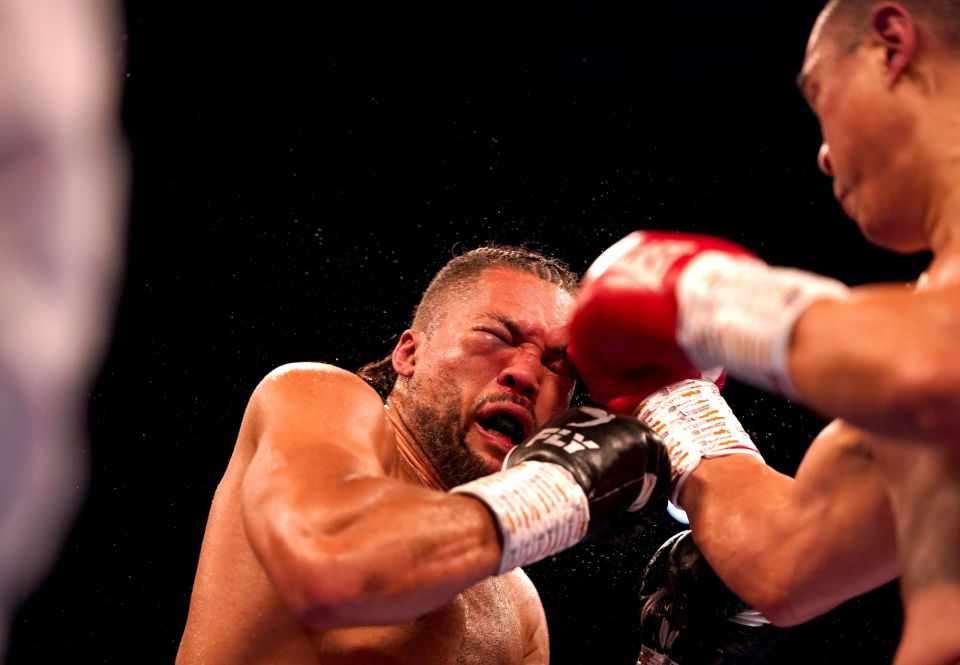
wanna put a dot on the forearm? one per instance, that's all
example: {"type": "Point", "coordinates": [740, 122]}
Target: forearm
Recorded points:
{"type": "Point", "coordinates": [734, 505]}
{"type": "Point", "coordinates": [656, 308]}
{"type": "Point", "coordinates": [391, 552]}
{"type": "Point", "coordinates": [779, 548]}
{"type": "Point", "coordinates": [885, 361]}
{"type": "Point", "coordinates": [383, 551]}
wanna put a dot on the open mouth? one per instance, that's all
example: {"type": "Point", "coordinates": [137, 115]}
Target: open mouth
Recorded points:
{"type": "Point", "coordinates": [505, 425]}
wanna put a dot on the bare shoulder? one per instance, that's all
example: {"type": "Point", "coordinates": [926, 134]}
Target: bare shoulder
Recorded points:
{"type": "Point", "coordinates": [317, 386]}
{"type": "Point", "coordinates": [841, 438]}
{"type": "Point", "coordinates": [307, 377]}
{"type": "Point", "coordinates": [524, 596]}
{"type": "Point", "coordinates": [840, 454]}
{"type": "Point", "coordinates": [297, 398]}
{"type": "Point", "coordinates": [522, 589]}
{"type": "Point", "coordinates": [942, 287]}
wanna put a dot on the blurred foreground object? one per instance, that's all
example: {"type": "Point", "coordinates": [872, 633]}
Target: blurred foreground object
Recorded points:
{"type": "Point", "coordinates": [63, 184]}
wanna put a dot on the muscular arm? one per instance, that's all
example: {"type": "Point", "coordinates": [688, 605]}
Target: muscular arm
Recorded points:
{"type": "Point", "coordinates": [886, 360]}
{"type": "Point", "coordinates": [795, 548]}
{"type": "Point", "coordinates": [343, 543]}
{"type": "Point", "coordinates": [534, 621]}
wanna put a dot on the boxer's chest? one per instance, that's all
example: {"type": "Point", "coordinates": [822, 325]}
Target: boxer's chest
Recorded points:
{"type": "Point", "coordinates": [480, 627]}
{"type": "Point", "coordinates": [491, 626]}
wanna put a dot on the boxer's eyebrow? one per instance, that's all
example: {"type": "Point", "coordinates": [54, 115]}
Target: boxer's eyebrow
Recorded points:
{"type": "Point", "coordinates": [803, 83]}
{"type": "Point", "coordinates": [517, 332]}
{"type": "Point", "coordinates": [805, 78]}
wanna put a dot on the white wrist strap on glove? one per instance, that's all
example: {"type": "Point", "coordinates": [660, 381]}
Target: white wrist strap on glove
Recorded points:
{"type": "Point", "coordinates": [739, 312]}
{"type": "Point", "coordinates": [539, 507]}
{"type": "Point", "coordinates": [695, 423]}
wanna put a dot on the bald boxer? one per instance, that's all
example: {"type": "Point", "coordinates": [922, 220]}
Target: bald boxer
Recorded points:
{"type": "Point", "coordinates": [63, 187]}
{"type": "Point", "coordinates": [346, 530]}
{"type": "Point", "coordinates": [878, 493]}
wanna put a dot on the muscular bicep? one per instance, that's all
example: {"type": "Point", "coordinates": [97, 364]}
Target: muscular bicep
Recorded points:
{"type": "Point", "coordinates": [845, 544]}
{"type": "Point", "coordinates": [839, 484]}
{"type": "Point", "coordinates": [838, 464]}
{"type": "Point", "coordinates": [885, 360]}
{"type": "Point", "coordinates": [795, 547]}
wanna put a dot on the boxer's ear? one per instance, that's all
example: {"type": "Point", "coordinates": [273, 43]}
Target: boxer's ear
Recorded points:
{"type": "Point", "coordinates": [895, 29]}
{"type": "Point", "coordinates": [405, 352]}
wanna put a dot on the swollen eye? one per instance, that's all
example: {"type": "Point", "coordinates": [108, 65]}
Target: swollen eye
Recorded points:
{"type": "Point", "coordinates": [499, 336]}
{"type": "Point", "coordinates": [560, 366]}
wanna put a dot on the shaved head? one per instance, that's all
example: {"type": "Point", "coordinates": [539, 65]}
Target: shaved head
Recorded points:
{"type": "Point", "coordinates": [847, 21]}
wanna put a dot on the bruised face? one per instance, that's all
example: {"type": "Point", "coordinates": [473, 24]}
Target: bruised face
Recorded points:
{"type": "Point", "coordinates": [492, 372]}
{"type": "Point", "coordinates": [869, 144]}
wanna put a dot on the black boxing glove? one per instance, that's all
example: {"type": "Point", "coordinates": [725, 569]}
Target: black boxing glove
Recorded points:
{"type": "Point", "coordinates": [572, 480]}
{"type": "Point", "coordinates": [620, 466]}
{"type": "Point", "coordinates": [690, 617]}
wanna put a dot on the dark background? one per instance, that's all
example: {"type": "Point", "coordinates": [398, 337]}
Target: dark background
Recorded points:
{"type": "Point", "coordinates": [301, 171]}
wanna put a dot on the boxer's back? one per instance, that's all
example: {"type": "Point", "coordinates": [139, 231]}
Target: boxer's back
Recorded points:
{"type": "Point", "coordinates": [237, 616]}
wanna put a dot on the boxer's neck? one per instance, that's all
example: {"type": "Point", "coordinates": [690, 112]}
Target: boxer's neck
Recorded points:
{"type": "Point", "coordinates": [944, 269]}
{"type": "Point", "coordinates": [411, 457]}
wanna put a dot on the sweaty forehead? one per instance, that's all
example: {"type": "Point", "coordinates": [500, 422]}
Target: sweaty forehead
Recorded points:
{"type": "Point", "coordinates": [520, 296]}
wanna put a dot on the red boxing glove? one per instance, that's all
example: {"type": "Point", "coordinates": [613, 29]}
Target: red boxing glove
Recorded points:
{"type": "Point", "coordinates": [657, 308]}
{"type": "Point", "coordinates": [624, 329]}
